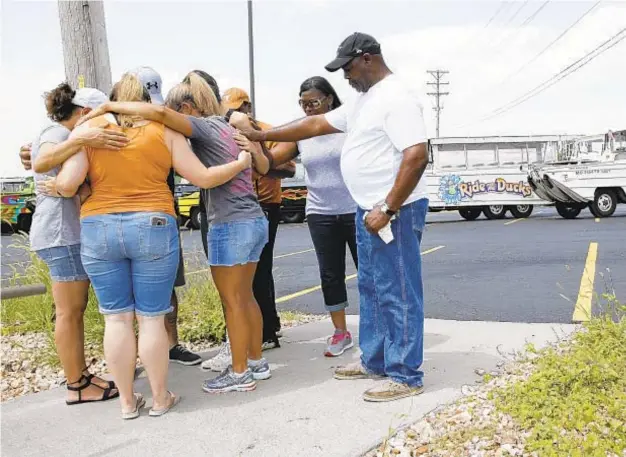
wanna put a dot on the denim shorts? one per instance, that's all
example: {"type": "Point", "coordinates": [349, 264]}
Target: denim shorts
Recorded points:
{"type": "Point", "coordinates": [237, 242]}
{"type": "Point", "coordinates": [131, 259]}
{"type": "Point", "coordinates": [64, 263]}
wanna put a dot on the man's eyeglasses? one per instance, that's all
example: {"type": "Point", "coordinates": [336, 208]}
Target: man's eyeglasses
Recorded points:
{"type": "Point", "coordinates": [313, 104]}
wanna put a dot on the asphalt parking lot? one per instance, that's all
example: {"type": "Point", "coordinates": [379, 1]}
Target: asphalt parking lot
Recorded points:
{"type": "Point", "coordinates": [510, 270]}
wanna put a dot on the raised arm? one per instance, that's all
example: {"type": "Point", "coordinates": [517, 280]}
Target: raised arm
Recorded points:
{"type": "Point", "coordinates": [52, 155]}
{"type": "Point", "coordinates": [189, 166]}
{"type": "Point", "coordinates": [157, 113]}
{"type": "Point", "coordinates": [72, 174]}
{"type": "Point", "coordinates": [284, 153]}
{"type": "Point", "coordinates": [302, 129]}
{"type": "Point", "coordinates": [261, 157]}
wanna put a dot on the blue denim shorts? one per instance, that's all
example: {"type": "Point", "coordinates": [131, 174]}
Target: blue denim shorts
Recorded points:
{"type": "Point", "coordinates": [131, 259]}
{"type": "Point", "coordinates": [64, 263]}
{"type": "Point", "coordinates": [237, 242]}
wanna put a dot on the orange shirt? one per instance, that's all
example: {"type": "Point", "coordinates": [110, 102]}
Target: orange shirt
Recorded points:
{"type": "Point", "coordinates": [133, 178]}
{"type": "Point", "coordinates": [268, 189]}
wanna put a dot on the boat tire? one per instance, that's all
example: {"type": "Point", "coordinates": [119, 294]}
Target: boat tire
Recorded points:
{"type": "Point", "coordinates": [567, 212]}
{"type": "Point", "coordinates": [521, 211]}
{"type": "Point", "coordinates": [470, 214]}
{"type": "Point", "coordinates": [604, 203]}
{"type": "Point", "coordinates": [494, 211]}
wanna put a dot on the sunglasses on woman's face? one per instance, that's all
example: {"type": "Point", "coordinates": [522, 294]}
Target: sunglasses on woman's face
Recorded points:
{"type": "Point", "coordinates": [313, 104]}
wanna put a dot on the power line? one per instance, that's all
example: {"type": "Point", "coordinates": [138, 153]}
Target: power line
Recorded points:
{"type": "Point", "coordinates": [543, 51]}
{"type": "Point", "coordinates": [534, 15]}
{"type": "Point", "coordinates": [516, 13]}
{"type": "Point", "coordinates": [468, 44]}
{"type": "Point", "coordinates": [438, 74]}
{"type": "Point", "coordinates": [528, 20]}
{"type": "Point", "coordinates": [496, 14]}
{"type": "Point", "coordinates": [503, 35]}
{"type": "Point", "coordinates": [559, 76]}
{"type": "Point", "coordinates": [497, 52]}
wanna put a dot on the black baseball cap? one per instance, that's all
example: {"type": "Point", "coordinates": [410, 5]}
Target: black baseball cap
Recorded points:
{"type": "Point", "coordinates": [354, 46]}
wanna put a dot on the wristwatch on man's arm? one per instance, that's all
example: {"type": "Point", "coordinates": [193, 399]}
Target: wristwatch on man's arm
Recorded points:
{"type": "Point", "coordinates": [388, 211]}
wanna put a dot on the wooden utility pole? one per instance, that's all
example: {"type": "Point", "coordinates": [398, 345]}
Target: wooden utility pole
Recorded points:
{"type": "Point", "coordinates": [85, 47]}
{"type": "Point", "coordinates": [251, 58]}
{"type": "Point", "coordinates": [438, 74]}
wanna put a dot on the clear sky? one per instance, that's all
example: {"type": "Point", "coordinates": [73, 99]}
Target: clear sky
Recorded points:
{"type": "Point", "coordinates": [295, 39]}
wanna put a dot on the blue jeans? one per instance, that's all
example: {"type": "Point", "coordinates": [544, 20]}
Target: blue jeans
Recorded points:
{"type": "Point", "coordinates": [64, 263]}
{"type": "Point", "coordinates": [237, 242]}
{"type": "Point", "coordinates": [391, 330]}
{"type": "Point", "coordinates": [131, 260]}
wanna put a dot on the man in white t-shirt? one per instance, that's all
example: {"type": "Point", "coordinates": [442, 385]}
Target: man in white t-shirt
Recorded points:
{"type": "Point", "coordinates": [382, 162]}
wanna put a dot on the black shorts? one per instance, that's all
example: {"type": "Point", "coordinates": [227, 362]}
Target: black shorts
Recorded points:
{"type": "Point", "coordinates": [180, 273]}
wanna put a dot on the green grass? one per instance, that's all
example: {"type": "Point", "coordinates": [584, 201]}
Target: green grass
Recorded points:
{"type": "Point", "coordinates": [200, 316]}
{"type": "Point", "coordinates": [574, 403]}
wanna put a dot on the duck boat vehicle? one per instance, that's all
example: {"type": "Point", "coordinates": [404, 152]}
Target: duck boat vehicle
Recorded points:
{"type": "Point", "coordinates": [487, 175]}
{"type": "Point", "coordinates": [590, 173]}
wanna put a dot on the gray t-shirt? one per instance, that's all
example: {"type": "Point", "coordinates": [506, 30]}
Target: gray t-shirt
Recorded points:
{"type": "Point", "coordinates": [327, 192]}
{"type": "Point", "coordinates": [212, 141]}
{"type": "Point", "coordinates": [56, 221]}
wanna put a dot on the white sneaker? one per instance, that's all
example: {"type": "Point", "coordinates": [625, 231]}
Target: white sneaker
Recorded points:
{"type": "Point", "coordinates": [221, 361]}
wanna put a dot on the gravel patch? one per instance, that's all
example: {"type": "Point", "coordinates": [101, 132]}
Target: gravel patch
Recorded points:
{"type": "Point", "coordinates": [24, 370]}
{"type": "Point", "coordinates": [471, 426]}
{"type": "Point", "coordinates": [468, 427]}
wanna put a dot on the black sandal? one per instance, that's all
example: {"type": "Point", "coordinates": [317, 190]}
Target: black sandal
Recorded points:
{"type": "Point", "coordinates": [90, 376]}
{"type": "Point", "coordinates": [111, 384]}
{"type": "Point", "coordinates": [86, 382]}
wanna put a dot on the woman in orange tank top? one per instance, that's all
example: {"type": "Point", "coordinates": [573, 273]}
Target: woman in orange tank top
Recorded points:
{"type": "Point", "coordinates": [238, 229]}
{"type": "Point", "coordinates": [129, 239]}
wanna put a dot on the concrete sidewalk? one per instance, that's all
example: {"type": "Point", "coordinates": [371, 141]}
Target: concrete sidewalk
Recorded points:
{"type": "Point", "coordinates": [301, 411]}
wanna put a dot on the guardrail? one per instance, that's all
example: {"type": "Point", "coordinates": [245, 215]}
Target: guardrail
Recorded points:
{"type": "Point", "coordinates": [22, 291]}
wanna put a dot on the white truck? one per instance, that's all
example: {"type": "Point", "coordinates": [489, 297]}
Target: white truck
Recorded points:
{"type": "Point", "coordinates": [487, 175]}
{"type": "Point", "coordinates": [590, 172]}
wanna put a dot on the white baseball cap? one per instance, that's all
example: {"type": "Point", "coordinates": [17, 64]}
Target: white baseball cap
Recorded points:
{"type": "Point", "coordinates": [151, 80]}
{"type": "Point", "coordinates": [89, 98]}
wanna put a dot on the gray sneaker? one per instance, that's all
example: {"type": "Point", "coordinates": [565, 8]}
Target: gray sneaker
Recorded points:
{"type": "Point", "coordinates": [228, 381]}
{"type": "Point", "coordinates": [221, 361]}
{"type": "Point", "coordinates": [339, 343]}
{"type": "Point", "coordinates": [260, 369]}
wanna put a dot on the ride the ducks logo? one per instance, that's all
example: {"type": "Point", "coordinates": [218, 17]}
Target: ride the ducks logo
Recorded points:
{"type": "Point", "coordinates": [452, 189]}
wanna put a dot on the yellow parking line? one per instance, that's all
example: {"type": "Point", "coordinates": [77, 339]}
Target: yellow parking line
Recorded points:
{"type": "Point", "coordinates": [428, 251]}
{"type": "Point", "coordinates": [582, 309]}
{"type": "Point", "coordinates": [293, 253]}
{"type": "Point", "coordinates": [305, 291]}
{"type": "Point", "coordinates": [316, 288]}
{"type": "Point", "coordinates": [514, 221]}
{"type": "Point", "coordinates": [276, 257]}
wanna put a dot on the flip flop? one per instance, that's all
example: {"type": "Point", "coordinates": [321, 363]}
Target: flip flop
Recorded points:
{"type": "Point", "coordinates": [140, 402]}
{"type": "Point", "coordinates": [159, 412]}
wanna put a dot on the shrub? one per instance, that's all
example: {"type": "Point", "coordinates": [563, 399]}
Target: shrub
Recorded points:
{"type": "Point", "coordinates": [574, 403]}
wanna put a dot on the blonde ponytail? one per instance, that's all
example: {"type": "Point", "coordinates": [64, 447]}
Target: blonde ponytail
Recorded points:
{"type": "Point", "coordinates": [129, 89]}
{"type": "Point", "coordinates": [203, 96]}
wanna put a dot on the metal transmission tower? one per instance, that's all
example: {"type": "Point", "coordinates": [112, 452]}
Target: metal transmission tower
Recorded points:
{"type": "Point", "coordinates": [438, 74]}
{"type": "Point", "coordinates": [85, 49]}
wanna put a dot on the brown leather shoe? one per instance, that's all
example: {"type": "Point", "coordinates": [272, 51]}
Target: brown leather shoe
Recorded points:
{"type": "Point", "coordinates": [390, 391]}
{"type": "Point", "coordinates": [354, 370]}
